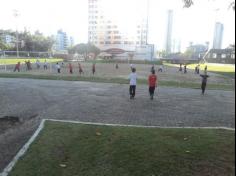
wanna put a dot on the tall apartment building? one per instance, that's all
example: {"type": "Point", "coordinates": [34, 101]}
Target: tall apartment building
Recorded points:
{"type": "Point", "coordinates": [218, 36]}
{"type": "Point", "coordinates": [107, 30]}
{"type": "Point", "coordinates": [168, 42]}
{"type": "Point", "coordinates": [61, 41]}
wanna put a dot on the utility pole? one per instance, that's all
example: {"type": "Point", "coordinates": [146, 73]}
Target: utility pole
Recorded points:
{"type": "Point", "coordinates": [147, 22]}
{"type": "Point", "coordinates": [16, 15]}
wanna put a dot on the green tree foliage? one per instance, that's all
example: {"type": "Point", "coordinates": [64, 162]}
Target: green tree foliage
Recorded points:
{"type": "Point", "coordinates": [189, 3]}
{"type": "Point", "coordinates": [85, 49]}
{"type": "Point", "coordinates": [2, 44]}
{"type": "Point", "coordinates": [29, 42]}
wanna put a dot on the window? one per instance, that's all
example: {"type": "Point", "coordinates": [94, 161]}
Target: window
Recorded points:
{"type": "Point", "coordinates": [116, 42]}
{"type": "Point", "coordinates": [117, 37]}
{"type": "Point", "coordinates": [214, 55]}
{"type": "Point", "coordinates": [223, 56]}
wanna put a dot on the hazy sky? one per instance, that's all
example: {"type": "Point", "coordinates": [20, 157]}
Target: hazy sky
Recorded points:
{"type": "Point", "coordinates": [195, 24]}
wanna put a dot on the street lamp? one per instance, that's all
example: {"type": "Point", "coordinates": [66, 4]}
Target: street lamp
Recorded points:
{"type": "Point", "coordinates": [16, 15]}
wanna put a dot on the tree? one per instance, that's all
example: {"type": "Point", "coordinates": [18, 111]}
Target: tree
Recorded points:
{"type": "Point", "coordinates": [85, 49]}
{"type": "Point", "coordinates": [189, 3]}
{"type": "Point", "coordinates": [93, 49]}
{"type": "Point", "coordinates": [2, 44]}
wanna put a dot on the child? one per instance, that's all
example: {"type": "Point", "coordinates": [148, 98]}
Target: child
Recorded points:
{"type": "Point", "coordinates": [45, 65]}
{"type": "Point", "coordinates": [205, 70]}
{"type": "Point", "coordinates": [133, 83]}
{"type": "Point", "coordinates": [117, 66]}
{"type": "Point", "coordinates": [180, 67]}
{"type": "Point", "coordinates": [152, 81]}
{"type": "Point", "coordinates": [70, 68]}
{"type": "Point", "coordinates": [38, 64]}
{"type": "Point", "coordinates": [80, 69]}
{"type": "Point", "coordinates": [152, 68]}
{"type": "Point", "coordinates": [93, 69]}
{"type": "Point", "coordinates": [17, 67]}
{"type": "Point", "coordinates": [161, 69]}
{"type": "Point", "coordinates": [185, 69]}
{"type": "Point", "coordinates": [58, 67]}
{"type": "Point", "coordinates": [204, 83]}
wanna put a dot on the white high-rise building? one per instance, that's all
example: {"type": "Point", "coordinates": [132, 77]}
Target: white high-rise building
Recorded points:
{"type": "Point", "coordinates": [218, 36]}
{"type": "Point", "coordinates": [118, 24]}
{"type": "Point", "coordinates": [168, 42]}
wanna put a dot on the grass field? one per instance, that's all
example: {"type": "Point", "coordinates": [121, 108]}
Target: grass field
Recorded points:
{"type": "Point", "coordinates": [230, 68]}
{"type": "Point", "coordinates": [64, 149]}
{"type": "Point", "coordinates": [22, 60]}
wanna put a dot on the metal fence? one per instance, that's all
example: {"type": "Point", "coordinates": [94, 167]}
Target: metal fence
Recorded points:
{"type": "Point", "coordinates": [25, 54]}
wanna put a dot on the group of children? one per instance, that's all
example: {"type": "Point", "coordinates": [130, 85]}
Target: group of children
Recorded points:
{"type": "Point", "coordinates": [153, 81]}
{"type": "Point", "coordinates": [181, 68]}
{"type": "Point", "coordinates": [70, 66]}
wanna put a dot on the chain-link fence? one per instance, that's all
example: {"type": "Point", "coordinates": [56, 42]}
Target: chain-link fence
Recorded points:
{"type": "Point", "coordinates": [24, 54]}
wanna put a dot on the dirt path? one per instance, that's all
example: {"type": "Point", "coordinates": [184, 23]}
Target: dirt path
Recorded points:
{"type": "Point", "coordinates": [32, 100]}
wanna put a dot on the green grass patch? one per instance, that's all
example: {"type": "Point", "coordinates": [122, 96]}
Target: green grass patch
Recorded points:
{"type": "Point", "coordinates": [64, 149]}
{"type": "Point", "coordinates": [10, 61]}
{"type": "Point", "coordinates": [179, 84]}
{"type": "Point", "coordinates": [230, 68]}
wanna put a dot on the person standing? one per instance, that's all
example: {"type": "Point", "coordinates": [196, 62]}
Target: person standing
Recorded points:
{"type": "Point", "coordinates": [58, 67]}
{"type": "Point", "coordinates": [45, 65]}
{"type": "Point", "coordinates": [195, 70]}
{"type": "Point", "coordinates": [93, 69]}
{"type": "Point", "coordinates": [198, 69]}
{"type": "Point", "coordinates": [132, 83]}
{"type": "Point", "coordinates": [204, 83]}
{"type": "Point", "coordinates": [180, 67]}
{"type": "Point", "coordinates": [38, 64]}
{"type": "Point", "coordinates": [17, 67]}
{"type": "Point", "coordinates": [80, 69]}
{"type": "Point", "coordinates": [161, 69]}
{"type": "Point", "coordinates": [205, 70]}
{"type": "Point", "coordinates": [185, 69]}
{"type": "Point", "coordinates": [152, 81]}
{"type": "Point", "coordinates": [70, 68]}
{"type": "Point", "coordinates": [117, 66]}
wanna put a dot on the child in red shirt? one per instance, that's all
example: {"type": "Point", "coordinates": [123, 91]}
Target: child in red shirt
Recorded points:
{"type": "Point", "coordinates": [70, 68]}
{"type": "Point", "coordinates": [17, 67]}
{"type": "Point", "coordinates": [152, 81]}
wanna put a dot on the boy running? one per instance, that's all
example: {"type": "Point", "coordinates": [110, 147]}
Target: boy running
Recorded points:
{"type": "Point", "coordinates": [133, 83]}
{"type": "Point", "coordinates": [152, 81]}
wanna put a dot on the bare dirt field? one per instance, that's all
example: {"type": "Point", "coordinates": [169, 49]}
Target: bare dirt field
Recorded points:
{"type": "Point", "coordinates": [108, 70]}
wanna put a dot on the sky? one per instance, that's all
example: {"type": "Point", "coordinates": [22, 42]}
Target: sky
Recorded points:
{"type": "Point", "coordinates": [195, 24]}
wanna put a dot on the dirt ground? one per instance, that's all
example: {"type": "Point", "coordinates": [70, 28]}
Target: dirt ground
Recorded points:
{"type": "Point", "coordinates": [33, 100]}
{"type": "Point", "coordinates": [143, 70]}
